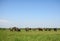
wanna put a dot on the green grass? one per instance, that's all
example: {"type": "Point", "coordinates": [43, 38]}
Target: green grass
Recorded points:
{"type": "Point", "coordinates": [6, 35]}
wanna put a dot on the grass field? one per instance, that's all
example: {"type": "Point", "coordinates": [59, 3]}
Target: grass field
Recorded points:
{"type": "Point", "coordinates": [6, 35]}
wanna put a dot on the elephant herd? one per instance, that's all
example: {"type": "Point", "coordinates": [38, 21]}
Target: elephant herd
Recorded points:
{"type": "Point", "coordinates": [14, 29]}
{"type": "Point", "coordinates": [28, 29]}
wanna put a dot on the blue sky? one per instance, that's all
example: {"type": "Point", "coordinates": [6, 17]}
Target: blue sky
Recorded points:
{"type": "Point", "coordinates": [30, 13]}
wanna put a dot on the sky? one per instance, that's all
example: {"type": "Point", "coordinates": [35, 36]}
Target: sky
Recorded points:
{"type": "Point", "coordinates": [30, 13]}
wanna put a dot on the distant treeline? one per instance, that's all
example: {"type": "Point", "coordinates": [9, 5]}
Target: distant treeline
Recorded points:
{"type": "Point", "coordinates": [28, 29]}
{"type": "Point", "coordinates": [4, 28]}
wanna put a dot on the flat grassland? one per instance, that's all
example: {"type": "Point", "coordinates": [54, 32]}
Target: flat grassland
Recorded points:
{"type": "Point", "coordinates": [6, 35]}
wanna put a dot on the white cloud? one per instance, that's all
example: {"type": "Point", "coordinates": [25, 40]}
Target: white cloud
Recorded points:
{"type": "Point", "coordinates": [3, 21]}
{"type": "Point", "coordinates": [7, 23]}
